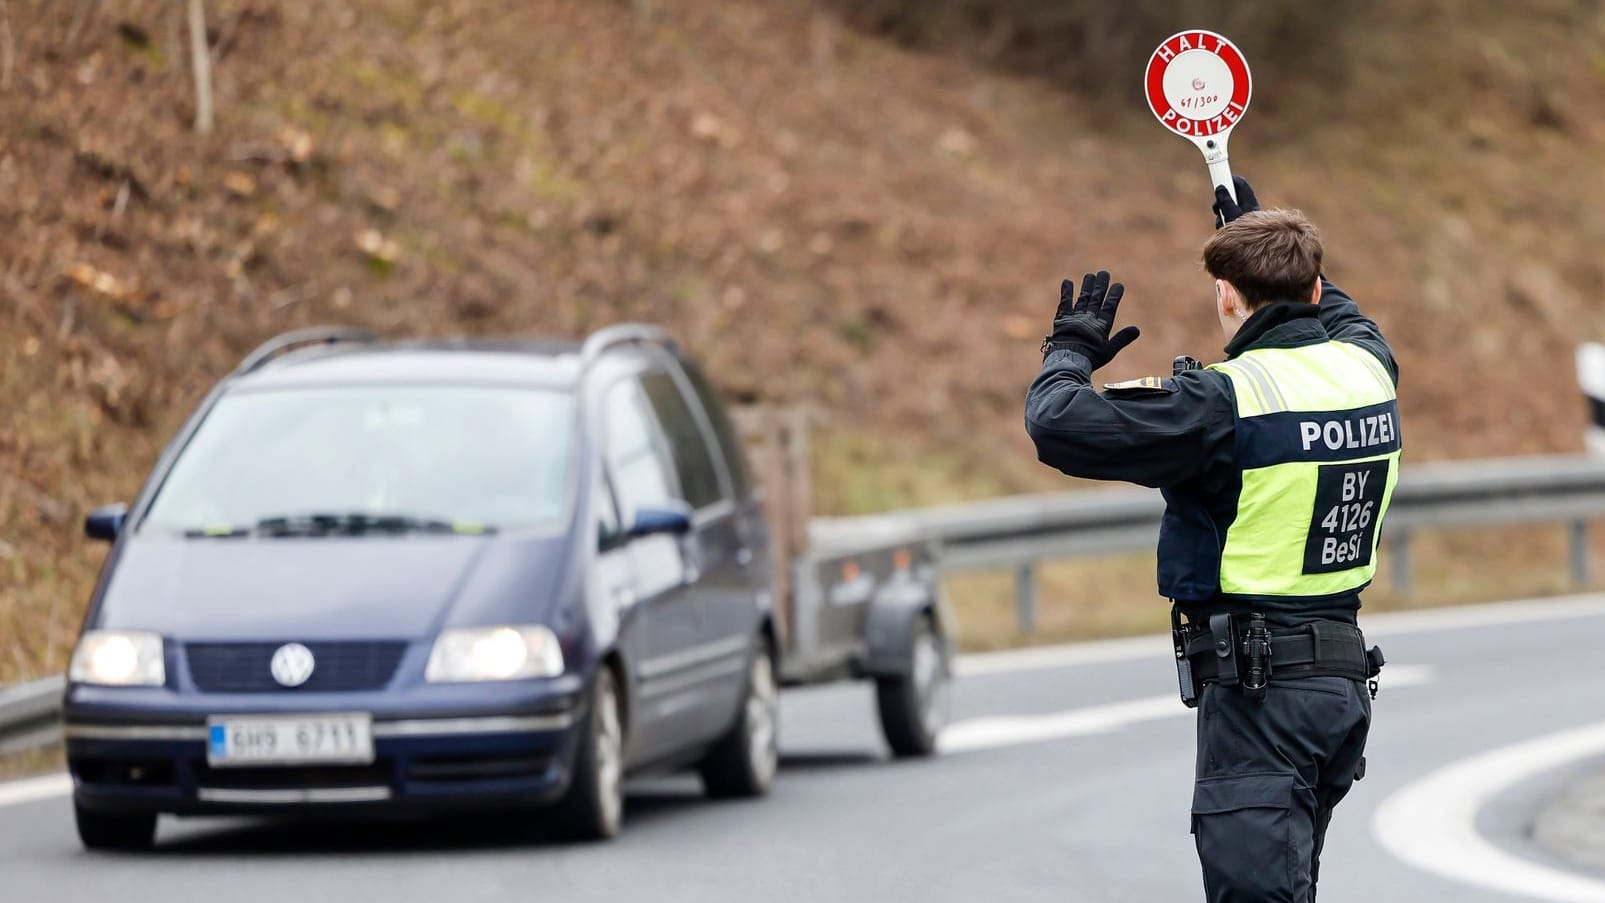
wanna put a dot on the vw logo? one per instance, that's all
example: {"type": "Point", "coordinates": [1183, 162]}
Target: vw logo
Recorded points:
{"type": "Point", "coordinates": [292, 665]}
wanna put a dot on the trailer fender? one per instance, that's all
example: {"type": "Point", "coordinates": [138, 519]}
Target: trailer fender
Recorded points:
{"type": "Point", "coordinates": [889, 635]}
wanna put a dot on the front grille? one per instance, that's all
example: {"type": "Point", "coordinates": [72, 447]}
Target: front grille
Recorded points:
{"type": "Point", "coordinates": [295, 777]}
{"type": "Point", "coordinates": [476, 768]}
{"type": "Point", "coordinates": [337, 666]}
{"type": "Point", "coordinates": [125, 772]}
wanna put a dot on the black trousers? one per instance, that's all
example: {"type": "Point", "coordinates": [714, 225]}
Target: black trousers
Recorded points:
{"type": "Point", "coordinates": [1270, 772]}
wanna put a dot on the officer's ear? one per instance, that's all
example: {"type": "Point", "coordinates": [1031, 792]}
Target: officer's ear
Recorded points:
{"type": "Point", "coordinates": [1315, 292]}
{"type": "Point", "coordinates": [1228, 303]}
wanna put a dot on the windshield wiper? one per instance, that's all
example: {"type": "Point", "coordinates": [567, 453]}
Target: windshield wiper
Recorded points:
{"type": "Point", "coordinates": [360, 524]}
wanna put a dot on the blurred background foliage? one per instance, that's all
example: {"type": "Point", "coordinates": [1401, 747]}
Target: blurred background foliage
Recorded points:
{"type": "Point", "coordinates": [860, 207]}
{"type": "Point", "coordinates": [1089, 46]}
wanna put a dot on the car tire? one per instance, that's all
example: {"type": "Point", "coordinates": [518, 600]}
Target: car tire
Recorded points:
{"type": "Point", "coordinates": [593, 807]}
{"type": "Point", "coordinates": [914, 706]}
{"type": "Point", "coordinates": [744, 762]}
{"type": "Point", "coordinates": [115, 830]}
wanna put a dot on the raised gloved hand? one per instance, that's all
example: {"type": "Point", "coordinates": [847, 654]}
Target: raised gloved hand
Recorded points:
{"type": "Point", "coordinates": [1227, 209]}
{"type": "Point", "coordinates": [1083, 320]}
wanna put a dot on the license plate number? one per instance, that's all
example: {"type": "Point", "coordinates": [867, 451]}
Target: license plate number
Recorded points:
{"type": "Point", "coordinates": [290, 740]}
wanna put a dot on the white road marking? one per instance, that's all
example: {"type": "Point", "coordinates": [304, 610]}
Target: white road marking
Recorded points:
{"type": "Point", "coordinates": [991, 732]}
{"type": "Point", "coordinates": [15, 793]}
{"type": "Point", "coordinates": [1378, 625]}
{"type": "Point", "coordinates": [1432, 823]}
{"type": "Point", "coordinates": [1089, 653]}
{"type": "Point", "coordinates": [1012, 730]}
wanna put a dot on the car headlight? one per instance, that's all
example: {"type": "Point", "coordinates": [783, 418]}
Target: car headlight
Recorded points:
{"type": "Point", "coordinates": [494, 653]}
{"type": "Point", "coordinates": [118, 658]}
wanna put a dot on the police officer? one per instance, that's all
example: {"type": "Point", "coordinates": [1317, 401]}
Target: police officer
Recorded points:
{"type": "Point", "coordinates": [1276, 466]}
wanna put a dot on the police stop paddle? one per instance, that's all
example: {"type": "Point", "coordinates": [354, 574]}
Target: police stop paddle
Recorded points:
{"type": "Point", "coordinates": [1198, 86]}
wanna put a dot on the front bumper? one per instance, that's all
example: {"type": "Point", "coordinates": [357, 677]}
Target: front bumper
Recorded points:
{"type": "Point", "coordinates": [435, 748]}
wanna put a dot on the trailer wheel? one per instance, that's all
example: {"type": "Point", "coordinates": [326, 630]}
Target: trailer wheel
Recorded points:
{"type": "Point", "coordinates": [914, 706]}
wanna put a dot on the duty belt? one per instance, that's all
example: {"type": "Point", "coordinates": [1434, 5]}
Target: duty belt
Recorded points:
{"type": "Point", "coordinates": [1240, 651]}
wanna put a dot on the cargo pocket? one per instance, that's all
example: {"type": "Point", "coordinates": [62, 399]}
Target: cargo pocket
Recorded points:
{"type": "Point", "coordinates": [1243, 825]}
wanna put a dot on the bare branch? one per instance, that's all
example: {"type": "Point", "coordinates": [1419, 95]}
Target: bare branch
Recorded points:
{"type": "Point", "coordinates": [201, 57]}
{"type": "Point", "coordinates": [8, 47]}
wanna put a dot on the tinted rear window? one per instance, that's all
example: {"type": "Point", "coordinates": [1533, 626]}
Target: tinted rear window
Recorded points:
{"type": "Point", "coordinates": [735, 458]}
{"type": "Point", "coordinates": [699, 476]}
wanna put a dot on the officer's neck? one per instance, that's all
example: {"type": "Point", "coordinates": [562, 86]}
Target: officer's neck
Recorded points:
{"type": "Point", "coordinates": [1265, 319]}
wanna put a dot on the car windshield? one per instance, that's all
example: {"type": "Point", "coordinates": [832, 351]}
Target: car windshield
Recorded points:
{"type": "Point", "coordinates": [314, 461]}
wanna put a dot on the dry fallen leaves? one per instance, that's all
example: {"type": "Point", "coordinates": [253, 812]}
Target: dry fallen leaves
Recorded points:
{"type": "Point", "coordinates": [297, 143]}
{"type": "Point", "coordinates": [240, 184]}
{"type": "Point", "coordinates": [377, 246]}
{"type": "Point", "coordinates": [101, 282]}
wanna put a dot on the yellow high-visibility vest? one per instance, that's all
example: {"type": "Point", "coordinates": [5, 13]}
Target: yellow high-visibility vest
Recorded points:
{"type": "Point", "coordinates": [1318, 443]}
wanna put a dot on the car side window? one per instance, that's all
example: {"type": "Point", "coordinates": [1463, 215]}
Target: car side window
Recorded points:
{"type": "Point", "coordinates": [735, 459]}
{"type": "Point", "coordinates": [636, 461]}
{"type": "Point", "coordinates": [693, 461]}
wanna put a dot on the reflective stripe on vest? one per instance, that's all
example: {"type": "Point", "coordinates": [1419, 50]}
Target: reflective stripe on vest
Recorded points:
{"type": "Point", "coordinates": [1318, 442]}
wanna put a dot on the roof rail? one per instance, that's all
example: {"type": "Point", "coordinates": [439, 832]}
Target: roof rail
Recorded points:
{"type": "Point", "coordinates": [299, 338]}
{"type": "Point", "coordinates": [610, 337]}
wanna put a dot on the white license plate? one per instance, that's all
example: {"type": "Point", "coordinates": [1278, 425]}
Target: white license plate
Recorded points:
{"type": "Point", "coordinates": [289, 740]}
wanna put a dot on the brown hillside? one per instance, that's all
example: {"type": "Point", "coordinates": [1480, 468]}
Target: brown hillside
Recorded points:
{"type": "Point", "coordinates": [822, 214]}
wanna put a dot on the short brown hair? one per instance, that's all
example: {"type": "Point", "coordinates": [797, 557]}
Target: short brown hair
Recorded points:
{"type": "Point", "coordinates": [1267, 255]}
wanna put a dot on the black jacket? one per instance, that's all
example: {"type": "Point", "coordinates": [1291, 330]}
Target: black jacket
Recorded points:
{"type": "Point", "coordinates": [1180, 437]}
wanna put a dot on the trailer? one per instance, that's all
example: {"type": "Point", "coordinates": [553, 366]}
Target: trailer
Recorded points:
{"type": "Point", "coordinates": [857, 610]}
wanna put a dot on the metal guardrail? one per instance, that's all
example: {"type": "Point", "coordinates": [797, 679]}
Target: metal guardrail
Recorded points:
{"type": "Point", "coordinates": [28, 713]}
{"type": "Point", "coordinates": [1021, 531]}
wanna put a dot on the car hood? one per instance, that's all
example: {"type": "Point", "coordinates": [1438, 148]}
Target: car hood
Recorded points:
{"type": "Point", "coordinates": [330, 587]}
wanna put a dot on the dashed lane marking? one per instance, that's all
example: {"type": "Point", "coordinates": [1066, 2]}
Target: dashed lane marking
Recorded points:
{"type": "Point", "coordinates": [991, 732]}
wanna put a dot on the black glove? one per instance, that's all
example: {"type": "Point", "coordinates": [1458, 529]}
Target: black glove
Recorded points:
{"type": "Point", "coordinates": [1227, 209]}
{"type": "Point", "coordinates": [1083, 321]}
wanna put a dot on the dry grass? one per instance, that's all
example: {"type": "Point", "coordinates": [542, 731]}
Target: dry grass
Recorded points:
{"type": "Point", "coordinates": [823, 216]}
{"type": "Point", "coordinates": [32, 762]}
{"type": "Point", "coordinates": [1114, 596]}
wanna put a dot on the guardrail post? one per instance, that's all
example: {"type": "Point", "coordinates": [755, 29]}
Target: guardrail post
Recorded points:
{"type": "Point", "coordinates": [1025, 596]}
{"type": "Point", "coordinates": [1579, 552]}
{"type": "Point", "coordinates": [1401, 561]}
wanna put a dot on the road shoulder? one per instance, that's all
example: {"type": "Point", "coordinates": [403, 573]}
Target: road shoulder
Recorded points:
{"type": "Point", "coordinates": [1571, 825]}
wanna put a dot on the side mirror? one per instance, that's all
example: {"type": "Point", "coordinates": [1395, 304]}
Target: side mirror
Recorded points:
{"type": "Point", "coordinates": [672, 518]}
{"type": "Point", "coordinates": [105, 522]}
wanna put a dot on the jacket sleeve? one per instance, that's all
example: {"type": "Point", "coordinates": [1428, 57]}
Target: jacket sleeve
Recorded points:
{"type": "Point", "coordinates": [1343, 321]}
{"type": "Point", "coordinates": [1157, 437]}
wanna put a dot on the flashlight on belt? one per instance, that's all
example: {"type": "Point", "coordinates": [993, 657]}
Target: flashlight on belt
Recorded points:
{"type": "Point", "coordinates": [1257, 652]}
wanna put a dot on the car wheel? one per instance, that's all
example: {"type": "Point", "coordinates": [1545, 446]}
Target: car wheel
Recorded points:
{"type": "Point", "coordinates": [114, 830]}
{"type": "Point", "coordinates": [743, 764]}
{"type": "Point", "coordinates": [914, 706]}
{"type": "Point", "coordinates": [593, 809]}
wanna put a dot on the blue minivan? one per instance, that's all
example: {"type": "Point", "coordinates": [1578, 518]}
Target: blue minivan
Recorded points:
{"type": "Point", "coordinates": [417, 576]}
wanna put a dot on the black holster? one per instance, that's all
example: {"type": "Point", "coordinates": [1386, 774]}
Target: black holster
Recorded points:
{"type": "Point", "coordinates": [1238, 650]}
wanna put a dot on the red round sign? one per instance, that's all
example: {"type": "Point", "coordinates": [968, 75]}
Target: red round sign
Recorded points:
{"type": "Point", "coordinates": [1197, 83]}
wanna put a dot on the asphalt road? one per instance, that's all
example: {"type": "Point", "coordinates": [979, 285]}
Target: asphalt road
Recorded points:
{"type": "Point", "coordinates": [1067, 778]}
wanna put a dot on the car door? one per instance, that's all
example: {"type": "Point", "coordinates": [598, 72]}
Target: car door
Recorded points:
{"type": "Point", "coordinates": [665, 624]}
{"type": "Point", "coordinates": [753, 552]}
{"type": "Point", "coordinates": [724, 588]}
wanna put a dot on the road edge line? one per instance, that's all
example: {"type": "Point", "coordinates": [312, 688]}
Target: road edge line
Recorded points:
{"type": "Point", "coordinates": [1431, 823]}
{"type": "Point", "coordinates": [1382, 624]}
{"type": "Point", "coordinates": [29, 790]}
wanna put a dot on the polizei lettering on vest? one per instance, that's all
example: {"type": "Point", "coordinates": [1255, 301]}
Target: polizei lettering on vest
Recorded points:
{"type": "Point", "coordinates": [1348, 433]}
